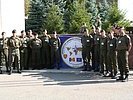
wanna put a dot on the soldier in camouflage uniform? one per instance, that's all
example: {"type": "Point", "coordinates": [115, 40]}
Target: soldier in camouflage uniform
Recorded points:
{"type": "Point", "coordinates": [123, 48]}
{"type": "Point", "coordinates": [23, 50]}
{"type": "Point", "coordinates": [14, 44]}
{"type": "Point", "coordinates": [45, 50]}
{"type": "Point", "coordinates": [86, 41]}
{"type": "Point", "coordinates": [55, 50]}
{"type": "Point", "coordinates": [4, 50]}
{"type": "Point", "coordinates": [35, 45]}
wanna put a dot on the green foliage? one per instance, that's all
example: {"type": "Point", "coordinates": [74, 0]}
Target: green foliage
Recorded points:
{"type": "Point", "coordinates": [69, 15]}
{"type": "Point", "coordinates": [35, 18]}
{"type": "Point", "coordinates": [54, 20]}
{"type": "Point", "coordinates": [92, 9]}
{"type": "Point", "coordinates": [27, 7]}
{"type": "Point", "coordinates": [79, 17]}
{"type": "Point", "coordinates": [115, 16]}
{"type": "Point", "coordinates": [68, 12]}
{"type": "Point", "coordinates": [103, 10]}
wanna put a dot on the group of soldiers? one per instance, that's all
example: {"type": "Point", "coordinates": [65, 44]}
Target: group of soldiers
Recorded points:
{"type": "Point", "coordinates": [102, 52]}
{"type": "Point", "coordinates": [106, 53]}
{"type": "Point", "coordinates": [29, 51]}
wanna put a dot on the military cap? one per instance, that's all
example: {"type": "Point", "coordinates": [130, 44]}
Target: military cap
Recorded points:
{"type": "Point", "coordinates": [14, 31]}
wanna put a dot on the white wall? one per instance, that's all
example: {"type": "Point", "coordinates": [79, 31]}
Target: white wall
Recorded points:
{"type": "Point", "coordinates": [0, 17]}
{"type": "Point", "coordinates": [127, 5]}
{"type": "Point", "coordinates": [12, 16]}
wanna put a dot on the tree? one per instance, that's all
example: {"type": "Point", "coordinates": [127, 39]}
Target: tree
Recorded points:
{"type": "Point", "coordinates": [27, 7]}
{"type": "Point", "coordinates": [103, 7]}
{"type": "Point", "coordinates": [78, 17]}
{"type": "Point", "coordinates": [68, 12]}
{"type": "Point", "coordinates": [115, 16]}
{"type": "Point", "coordinates": [60, 3]}
{"type": "Point", "coordinates": [92, 9]}
{"type": "Point", "coordinates": [35, 18]}
{"type": "Point", "coordinates": [54, 19]}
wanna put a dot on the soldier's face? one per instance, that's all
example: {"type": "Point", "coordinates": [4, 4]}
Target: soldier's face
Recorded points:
{"type": "Point", "coordinates": [23, 34]}
{"type": "Point", "coordinates": [36, 36]}
{"type": "Point", "coordinates": [45, 32]}
{"type": "Point", "coordinates": [4, 35]}
{"type": "Point", "coordinates": [14, 34]}
{"type": "Point", "coordinates": [30, 32]}
{"type": "Point", "coordinates": [98, 30]}
{"type": "Point", "coordinates": [121, 31]}
{"type": "Point", "coordinates": [116, 31]}
{"type": "Point", "coordinates": [85, 33]}
{"type": "Point", "coordinates": [111, 35]}
{"type": "Point", "coordinates": [103, 33]}
{"type": "Point", "coordinates": [112, 32]}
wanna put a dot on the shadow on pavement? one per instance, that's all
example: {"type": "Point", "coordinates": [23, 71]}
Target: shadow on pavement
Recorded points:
{"type": "Point", "coordinates": [57, 79]}
{"type": "Point", "coordinates": [65, 79]}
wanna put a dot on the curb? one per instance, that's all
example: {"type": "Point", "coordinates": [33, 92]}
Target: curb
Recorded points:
{"type": "Point", "coordinates": [65, 71]}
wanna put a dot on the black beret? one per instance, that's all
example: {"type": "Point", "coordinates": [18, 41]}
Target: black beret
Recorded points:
{"type": "Point", "coordinates": [14, 31]}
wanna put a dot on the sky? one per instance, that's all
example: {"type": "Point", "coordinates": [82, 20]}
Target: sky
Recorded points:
{"type": "Point", "coordinates": [127, 6]}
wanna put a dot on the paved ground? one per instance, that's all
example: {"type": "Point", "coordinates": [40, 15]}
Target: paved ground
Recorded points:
{"type": "Point", "coordinates": [63, 85]}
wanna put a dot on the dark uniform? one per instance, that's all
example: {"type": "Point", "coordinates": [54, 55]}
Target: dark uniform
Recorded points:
{"type": "Point", "coordinates": [103, 55]}
{"type": "Point", "coordinates": [97, 52]}
{"type": "Point", "coordinates": [122, 55]}
{"type": "Point", "coordinates": [14, 55]}
{"type": "Point", "coordinates": [24, 52]}
{"type": "Point", "coordinates": [93, 51]}
{"type": "Point", "coordinates": [111, 56]}
{"type": "Point", "coordinates": [1, 52]}
{"type": "Point", "coordinates": [4, 52]}
{"type": "Point", "coordinates": [86, 50]}
{"type": "Point", "coordinates": [36, 45]}
{"type": "Point", "coordinates": [55, 52]}
{"type": "Point", "coordinates": [29, 62]}
{"type": "Point", "coordinates": [45, 51]}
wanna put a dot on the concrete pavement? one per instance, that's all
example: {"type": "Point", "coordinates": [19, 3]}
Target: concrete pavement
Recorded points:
{"type": "Point", "coordinates": [63, 85]}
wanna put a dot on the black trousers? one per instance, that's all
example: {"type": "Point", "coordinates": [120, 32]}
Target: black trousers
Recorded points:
{"type": "Point", "coordinates": [122, 58]}
{"type": "Point", "coordinates": [86, 57]}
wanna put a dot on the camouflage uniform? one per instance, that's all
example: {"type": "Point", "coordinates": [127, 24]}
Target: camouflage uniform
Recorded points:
{"type": "Point", "coordinates": [14, 55]}
{"type": "Point", "coordinates": [4, 52]}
